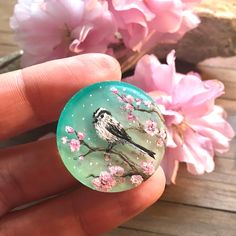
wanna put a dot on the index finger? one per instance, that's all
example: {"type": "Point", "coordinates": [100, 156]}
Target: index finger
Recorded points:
{"type": "Point", "coordinates": [35, 95]}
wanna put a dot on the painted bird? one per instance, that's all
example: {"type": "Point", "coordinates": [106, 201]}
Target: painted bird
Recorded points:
{"type": "Point", "coordinates": [109, 129]}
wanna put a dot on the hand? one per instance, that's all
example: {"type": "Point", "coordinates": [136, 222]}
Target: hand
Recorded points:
{"type": "Point", "coordinates": [35, 96]}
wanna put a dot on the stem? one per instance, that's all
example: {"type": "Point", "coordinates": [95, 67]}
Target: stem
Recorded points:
{"type": "Point", "coordinates": [128, 174]}
{"type": "Point", "coordinates": [130, 163]}
{"type": "Point", "coordinates": [143, 110]}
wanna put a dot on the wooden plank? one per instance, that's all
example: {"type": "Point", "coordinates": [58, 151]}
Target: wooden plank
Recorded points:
{"type": "Point", "coordinates": [226, 75]}
{"type": "Point", "coordinates": [225, 172]}
{"type": "Point", "coordinates": [203, 193]}
{"type": "Point", "coordinates": [229, 105]}
{"type": "Point", "coordinates": [176, 219]}
{"type": "Point", "coordinates": [7, 43]}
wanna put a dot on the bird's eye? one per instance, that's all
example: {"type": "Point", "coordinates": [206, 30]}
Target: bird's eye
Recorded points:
{"type": "Point", "coordinates": [102, 116]}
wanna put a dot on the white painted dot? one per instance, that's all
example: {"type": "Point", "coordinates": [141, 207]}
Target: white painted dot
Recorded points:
{"type": "Point", "coordinates": [88, 138]}
{"type": "Point", "coordinates": [100, 87]}
{"type": "Point", "coordinates": [90, 163]}
{"type": "Point", "coordinates": [108, 100]}
{"type": "Point", "coordinates": [124, 89]}
{"type": "Point", "coordinates": [96, 163]}
{"type": "Point", "coordinates": [83, 118]}
{"type": "Point", "coordinates": [91, 104]}
{"type": "Point", "coordinates": [90, 95]}
{"type": "Point", "coordinates": [137, 158]}
{"type": "Point", "coordinates": [83, 105]}
{"type": "Point", "coordinates": [72, 115]}
{"type": "Point", "coordinates": [147, 141]}
{"type": "Point", "coordinates": [74, 167]}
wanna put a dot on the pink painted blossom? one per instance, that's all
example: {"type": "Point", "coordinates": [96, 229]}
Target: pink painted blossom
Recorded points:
{"type": "Point", "coordinates": [69, 130]}
{"type": "Point", "coordinates": [150, 127]}
{"type": "Point", "coordinates": [114, 90]}
{"type": "Point", "coordinates": [160, 142]}
{"type": "Point", "coordinates": [74, 145]}
{"type": "Point", "coordinates": [136, 179]}
{"type": "Point", "coordinates": [116, 170]}
{"type": "Point", "coordinates": [196, 126]}
{"type": "Point", "coordinates": [105, 182]}
{"type": "Point", "coordinates": [128, 107]}
{"type": "Point", "coordinates": [148, 167]}
{"type": "Point", "coordinates": [80, 135]}
{"type": "Point", "coordinates": [162, 133]}
{"type": "Point", "coordinates": [138, 102]}
{"type": "Point", "coordinates": [51, 29]}
{"type": "Point", "coordinates": [147, 103]}
{"type": "Point", "coordinates": [131, 117]}
{"type": "Point", "coordinates": [81, 158]}
{"type": "Point", "coordinates": [64, 140]}
{"type": "Point", "coordinates": [143, 23]}
{"type": "Point", "coordinates": [129, 99]}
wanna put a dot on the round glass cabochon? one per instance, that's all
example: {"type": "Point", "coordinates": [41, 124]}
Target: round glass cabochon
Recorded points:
{"type": "Point", "coordinates": [111, 136]}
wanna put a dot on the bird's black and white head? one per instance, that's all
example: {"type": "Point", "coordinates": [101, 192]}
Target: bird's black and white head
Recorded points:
{"type": "Point", "coordinates": [101, 114]}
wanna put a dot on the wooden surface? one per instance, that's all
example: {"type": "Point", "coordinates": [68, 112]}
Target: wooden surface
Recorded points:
{"type": "Point", "coordinates": [196, 205]}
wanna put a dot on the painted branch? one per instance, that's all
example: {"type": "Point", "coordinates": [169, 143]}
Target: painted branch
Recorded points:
{"type": "Point", "coordinates": [130, 163]}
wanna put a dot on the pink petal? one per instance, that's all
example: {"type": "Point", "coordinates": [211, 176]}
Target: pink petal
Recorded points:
{"type": "Point", "coordinates": [220, 131]}
{"type": "Point", "coordinates": [143, 75]}
{"type": "Point", "coordinates": [197, 152]}
{"type": "Point", "coordinates": [170, 165]}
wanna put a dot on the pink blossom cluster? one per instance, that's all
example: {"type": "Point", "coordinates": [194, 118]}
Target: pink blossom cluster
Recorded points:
{"type": "Point", "coordinates": [136, 179]}
{"type": "Point", "coordinates": [142, 23]}
{"type": "Point", "coordinates": [151, 128]}
{"type": "Point", "coordinates": [148, 167]}
{"type": "Point", "coordinates": [74, 144]}
{"type": "Point", "coordinates": [105, 182]}
{"type": "Point", "coordinates": [131, 104]}
{"type": "Point", "coordinates": [51, 29]}
{"type": "Point", "coordinates": [116, 170]}
{"type": "Point", "coordinates": [107, 179]}
{"type": "Point", "coordinates": [196, 126]}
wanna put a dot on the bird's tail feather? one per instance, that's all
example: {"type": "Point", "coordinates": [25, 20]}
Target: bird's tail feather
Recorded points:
{"type": "Point", "coordinates": [149, 152]}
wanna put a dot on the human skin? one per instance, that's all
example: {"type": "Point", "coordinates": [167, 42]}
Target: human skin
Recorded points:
{"type": "Point", "coordinates": [35, 96]}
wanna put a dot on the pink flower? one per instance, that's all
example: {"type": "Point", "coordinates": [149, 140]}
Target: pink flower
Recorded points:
{"type": "Point", "coordinates": [51, 29]}
{"type": "Point", "coordinates": [105, 182]}
{"type": "Point", "coordinates": [131, 117]}
{"type": "Point", "coordinates": [64, 140]}
{"type": "Point", "coordinates": [138, 102]}
{"type": "Point", "coordinates": [80, 135]}
{"type": "Point", "coordinates": [81, 158]}
{"type": "Point", "coordinates": [147, 22]}
{"type": "Point", "coordinates": [69, 130]}
{"type": "Point", "coordinates": [150, 127]}
{"type": "Point", "coordinates": [160, 142]}
{"type": "Point", "coordinates": [148, 167]}
{"type": "Point", "coordinates": [74, 145]}
{"type": "Point", "coordinates": [162, 134]}
{"type": "Point", "coordinates": [196, 126]}
{"type": "Point", "coordinates": [114, 90]}
{"type": "Point", "coordinates": [129, 99]}
{"type": "Point", "coordinates": [136, 179]}
{"type": "Point", "coordinates": [116, 170]}
{"type": "Point", "coordinates": [148, 103]}
{"type": "Point", "coordinates": [128, 107]}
